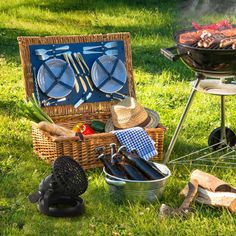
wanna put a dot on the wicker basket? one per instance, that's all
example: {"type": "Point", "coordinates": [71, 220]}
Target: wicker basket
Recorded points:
{"type": "Point", "coordinates": [68, 116]}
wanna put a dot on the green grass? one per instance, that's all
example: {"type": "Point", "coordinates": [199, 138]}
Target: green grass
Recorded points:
{"type": "Point", "coordinates": [160, 84]}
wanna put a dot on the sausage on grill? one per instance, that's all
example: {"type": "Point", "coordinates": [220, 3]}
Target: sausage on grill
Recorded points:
{"type": "Point", "coordinates": [205, 34]}
{"type": "Point", "coordinates": [214, 39]}
{"type": "Point", "coordinates": [227, 41]}
{"type": "Point", "coordinates": [205, 38]}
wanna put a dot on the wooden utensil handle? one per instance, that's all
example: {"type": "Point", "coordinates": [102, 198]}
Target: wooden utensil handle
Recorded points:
{"type": "Point", "coordinates": [192, 193]}
{"type": "Point", "coordinates": [73, 63]}
{"type": "Point", "coordinates": [83, 83]}
{"type": "Point", "coordinates": [89, 83]}
{"type": "Point", "coordinates": [65, 55]}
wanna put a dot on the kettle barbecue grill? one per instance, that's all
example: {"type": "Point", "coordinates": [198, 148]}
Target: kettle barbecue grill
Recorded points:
{"type": "Point", "coordinates": [213, 61]}
{"type": "Point", "coordinates": [208, 63]}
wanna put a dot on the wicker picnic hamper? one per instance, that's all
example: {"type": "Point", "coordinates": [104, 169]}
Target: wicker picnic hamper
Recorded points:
{"type": "Point", "coordinates": [68, 116]}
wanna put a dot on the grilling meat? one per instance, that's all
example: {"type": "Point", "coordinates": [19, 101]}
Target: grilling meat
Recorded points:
{"type": "Point", "coordinates": [229, 32]}
{"type": "Point", "coordinates": [213, 39]}
{"type": "Point", "coordinates": [205, 38]}
{"type": "Point", "coordinates": [209, 38]}
{"type": "Point", "coordinates": [190, 37]}
{"type": "Point", "coordinates": [205, 34]}
{"type": "Point", "coordinates": [200, 43]}
{"type": "Point", "coordinates": [227, 41]}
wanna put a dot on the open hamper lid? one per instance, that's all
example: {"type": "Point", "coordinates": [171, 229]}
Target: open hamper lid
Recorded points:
{"type": "Point", "coordinates": [35, 77]}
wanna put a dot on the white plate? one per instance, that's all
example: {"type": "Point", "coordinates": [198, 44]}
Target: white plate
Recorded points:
{"type": "Point", "coordinates": [45, 80]}
{"type": "Point", "coordinates": [99, 75]}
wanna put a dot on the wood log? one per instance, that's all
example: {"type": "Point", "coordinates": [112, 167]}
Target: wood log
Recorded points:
{"type": "Point", "coordinates": [211, 183]}
{"type": "Point", "coordinates": [217, 199]}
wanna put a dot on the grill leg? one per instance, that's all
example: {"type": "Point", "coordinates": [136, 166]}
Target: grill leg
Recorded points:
{"type": "Point", "coordinates": [173, 140]}
{"type": "Point", "coordinates": [222, 126]}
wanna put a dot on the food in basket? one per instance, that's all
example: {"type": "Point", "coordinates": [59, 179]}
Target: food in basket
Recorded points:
{"type": "Point", "coordinates": [32, 111]}
{"type": "Point", "coordinates": [55, 130]}
{"type": "Point", "coordinates": [98, 126]}
{"type": "Point", "coordinates": [83, 128]}
{"type": "Point", "coordinates": [48, 147]}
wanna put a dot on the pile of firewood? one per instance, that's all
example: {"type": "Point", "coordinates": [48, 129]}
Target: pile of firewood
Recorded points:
{"type": "Point", "coordinates": [205, 189]}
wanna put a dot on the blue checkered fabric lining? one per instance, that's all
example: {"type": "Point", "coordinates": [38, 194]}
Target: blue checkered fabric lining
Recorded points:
{"type": "Point", "coordinates": [137, 138]}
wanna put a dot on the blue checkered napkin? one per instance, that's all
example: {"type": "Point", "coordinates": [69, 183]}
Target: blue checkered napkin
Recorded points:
{"type": "Point", "coordinates": [137, 138]}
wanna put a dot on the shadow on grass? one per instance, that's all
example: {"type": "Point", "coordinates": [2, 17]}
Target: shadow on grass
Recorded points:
{"type": "Point", "coordinates": [8, 43]}
{"type": "Point", "coordinates": [9, 108]}
{"type": "Point", "coordinates": [150, 60]}
{"type": "Point", "coordinates": [99, 5]}
{"type": "Point", "coordinates": [19, 166]}
{"type": "Point", "coordinates": [147, 58]}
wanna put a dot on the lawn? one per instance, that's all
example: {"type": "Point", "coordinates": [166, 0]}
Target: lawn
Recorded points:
{"type": "Point", "coordinates": [160, 85]}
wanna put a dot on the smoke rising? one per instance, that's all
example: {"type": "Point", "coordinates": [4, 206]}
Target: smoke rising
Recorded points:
{"type": "Point", "coordinates": [198, 9]}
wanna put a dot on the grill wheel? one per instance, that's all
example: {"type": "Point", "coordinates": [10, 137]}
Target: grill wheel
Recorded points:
{"type": "Point", "coordinates": [214, 138]}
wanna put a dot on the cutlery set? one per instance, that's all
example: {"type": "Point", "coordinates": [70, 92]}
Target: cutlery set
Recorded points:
{"type": "Point", "coordinates": [65, 55]}
{"type": "Point", "coordinates": [49, 102]}
{"type": "Point", "coordinates": [108, 52]}
{"type": "Point", "coordinates": [36, 84]}
{"type": "Point", "coordinates": [43, 55]}
{"type": "Point", "coordinates": [79, 67]}
{"type": "Point", "coordinates": [106, 46]}
{"type": "Point", "coordinates": [105, 49]}
{"type": "Point", "coordinates": [116, 96]}
{"type": "Point", "coordinates": [44, 51]}
{"type": "Point", "coordinates": [69, 57]}
{"type": "Point", "coordinates": [78, 76]}
{"type": "Point", "coordinates": [78, 57]}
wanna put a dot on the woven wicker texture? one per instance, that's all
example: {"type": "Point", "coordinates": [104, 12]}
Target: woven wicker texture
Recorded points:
{"type": "Point", "coordinates": [68, 116]}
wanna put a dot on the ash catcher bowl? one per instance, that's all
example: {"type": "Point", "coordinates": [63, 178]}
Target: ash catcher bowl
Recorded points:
{"type": "Point", "coordinates": [59, 193]}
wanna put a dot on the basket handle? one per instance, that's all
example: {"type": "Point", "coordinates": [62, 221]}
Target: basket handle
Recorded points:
{"type": "Point", "coordinates": [78, 137]}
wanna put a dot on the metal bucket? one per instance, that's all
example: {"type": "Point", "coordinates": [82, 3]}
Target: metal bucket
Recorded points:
{"type": "Point", "coordinates": [133, 190]}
